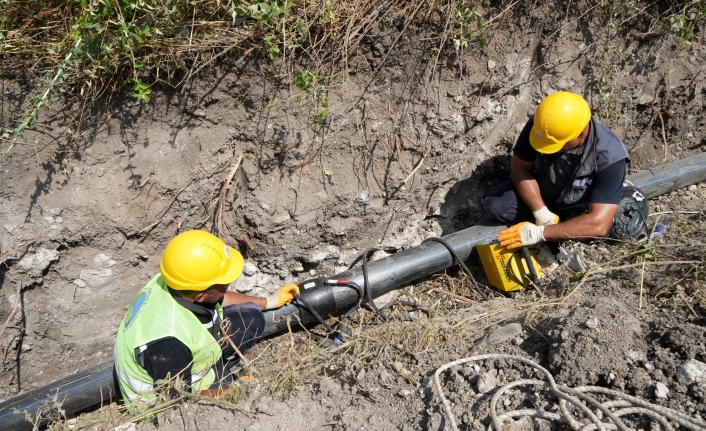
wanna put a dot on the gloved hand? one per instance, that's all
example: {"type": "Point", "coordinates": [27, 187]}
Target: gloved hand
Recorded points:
{"type": "Point", "coordinates": [545, 217]}
{"type": "Point", "coordinates": [283, 296]}
{"type": "Point", "coordinates": [521, 234]}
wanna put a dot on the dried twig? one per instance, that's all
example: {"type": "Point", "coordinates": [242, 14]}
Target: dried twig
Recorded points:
{"type": "Point", "coordinates": [193, 72]}
{"type": "Point", "coordinates": [417, 167]}
{"type": "Point", "coordinates": [169, 205]}
{"type": "Point", "coordinates": [164, 210]}
{"type": "Point", "coordinates": [642, 283]}
{"type": "Point", "coordinates": [454, 296]}
{"type": "Point", "coordinates": [248, 364]}
{"type": "Point", "coordinates": [598, 270]}
{"type": "Point", "coordinates": [11, 316]}
{"type": "Point", "coordinates": [681, 295]}
{"type": "Point", "coordinates": [664, 137]}
{"type": "Point", "coordinates": [398, 155]}
{"type": "Point", "coordinates": [5, 256]}
{"type": "Point", "coordinates": [220, 208]}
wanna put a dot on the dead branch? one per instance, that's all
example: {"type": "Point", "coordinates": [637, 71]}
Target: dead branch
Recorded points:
{"type": "Point", "coordinates": [11, 316]}
{"type": "Point", "coordinates": [5, 256]}
{"type": "Point", "coordinates": [398, 155]}
{"type": "Point", "coordinates": [664, 137]}
{"type": "Point", "coordinates": [248, 364]}
{"type": "Point", "coordinates": [454, 296]}
{"type": "Point", "coordinates": [218, 214]}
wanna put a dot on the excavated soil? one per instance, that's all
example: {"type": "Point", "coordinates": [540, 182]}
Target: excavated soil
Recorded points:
{"type": "Point", "coordinates": [405, 153]}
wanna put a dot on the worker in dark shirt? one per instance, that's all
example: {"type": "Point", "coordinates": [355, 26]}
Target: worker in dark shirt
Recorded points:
{"type": "Point", "coordinates": [173, 329]}
{"type": "Point", "coordinates": [566, 178]}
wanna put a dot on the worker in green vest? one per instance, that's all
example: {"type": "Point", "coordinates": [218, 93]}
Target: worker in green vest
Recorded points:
{"type": "Point", "coordinates": [172, 331]}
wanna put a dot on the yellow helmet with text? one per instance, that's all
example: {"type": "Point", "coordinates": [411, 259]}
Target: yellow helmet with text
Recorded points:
{"type": "Point", "coordinates": [560, 117]}
{"type": "Point", "coordinates": [196, 260]}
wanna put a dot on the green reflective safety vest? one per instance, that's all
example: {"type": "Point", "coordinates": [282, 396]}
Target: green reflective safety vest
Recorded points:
{"type": "Point", "coordinates": [155, 315]}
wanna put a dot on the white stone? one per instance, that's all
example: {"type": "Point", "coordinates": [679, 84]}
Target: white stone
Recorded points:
{"type": "Point", "coordinates": [10, 227]}
{"type": "Point", "coordinates": [281, 219]}
{"type": "Point", "coordinates": [661, 390]}
{"type": "Point", "coordinates": [317, 256]}
{"type": "Point", "coordinates": [39, 261]}
{"type": "Point", "coordinates": [97, 277]}
{"type": "Point", "coordinates": [249, 269]}
{"type": "Point", "coordinates": [487, 381]}
{"type": "Point", "coordinates": [103, 261]}
{"type": "Point", "coordinates": [691, 371]}
{"type": "Point", "coordinates": [491, 65]}
{"type": "Point", "coordinates": [80, 283]}
{"type": "Point", "coordinates": [126, 427]}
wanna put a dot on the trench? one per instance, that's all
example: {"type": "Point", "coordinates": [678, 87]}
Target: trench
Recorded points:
{"type": "Point", "coordinates": [95, 385]}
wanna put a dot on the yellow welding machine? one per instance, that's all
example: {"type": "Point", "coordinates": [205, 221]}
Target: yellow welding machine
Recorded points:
{"type": "Point", "coordinates": [508, 270]}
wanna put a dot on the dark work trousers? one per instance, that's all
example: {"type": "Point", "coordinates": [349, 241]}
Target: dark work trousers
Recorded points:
{"type": "Point", "coordinates": [247, 324]}
{"type": "Point", "coordinates": [502, 205]}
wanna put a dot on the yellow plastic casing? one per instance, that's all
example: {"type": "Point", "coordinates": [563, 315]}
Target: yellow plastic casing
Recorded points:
{"type": "Point", "coordinates": [505, 269]}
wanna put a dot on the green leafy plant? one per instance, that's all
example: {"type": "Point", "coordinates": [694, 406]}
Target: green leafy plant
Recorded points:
{"type": "Point", "coordinates": [683, 23]}
{"type": "Point", "coordinates": [469, 25]}
{"type": "Point", "coordinates": [308, 83]}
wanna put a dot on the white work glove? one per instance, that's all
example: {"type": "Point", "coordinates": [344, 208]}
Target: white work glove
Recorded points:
{"type": "Point", "coordinates": [545, 217]}
{"type": "Point", "coordinates": [521, 234]}
{"type": "Point", "coordinates": [281, 297]}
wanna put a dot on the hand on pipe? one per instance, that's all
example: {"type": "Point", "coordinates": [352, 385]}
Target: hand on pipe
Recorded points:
{"type": "Point", "coordinates": [521, 234]}
{"type": "Point", "coordinates": [544, 217]}
{"type": "Point", "coordinates": [283, 296]}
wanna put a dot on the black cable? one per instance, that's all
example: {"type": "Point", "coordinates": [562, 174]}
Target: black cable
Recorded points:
{"type": "Point", "coordinates": [354, 308]}
{"type": "Point", "coordinates": [366, 282]}
{"type": "Point", "coordinates": [415, 305]}
{"type": "Point", "coordinates": [313, 312]}
{"type": "Point", "coordinates": [457, 259]}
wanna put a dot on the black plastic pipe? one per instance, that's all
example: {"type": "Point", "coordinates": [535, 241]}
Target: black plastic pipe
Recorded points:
{"type": "Point", "coordinates": [95, 385]}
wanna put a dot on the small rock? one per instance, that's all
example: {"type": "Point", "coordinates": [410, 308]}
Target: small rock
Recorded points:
{"type": "Point", "coordinates": [691, 371]}
{"type": "Point", "coordinates": [692, 188]}
{"type": "Point", "coordinates": [592, 323]}
{"type": "Point", "coordinates": [404, 393]}
{"type": "Point", "coordinates": [399, 347]}
{"type": "Point", "coordinates": [80, 283]}
{"type": "Point", "coordinates": [126, 427]}
{"type": "Point", "coordinates": [249, 269]}
{"type": "Point", "coordinates": [97, 277]}
{"type": "Point", "coordinates": [503, 334]}
{"type": "Point", "coordinates": [360, 375]}
{"type": "Point", "coordinates": [491, 65]}
{"type": "Point", "coordinates": [661, 390]}
{"type": "Point", "coordinates": [487, 381]}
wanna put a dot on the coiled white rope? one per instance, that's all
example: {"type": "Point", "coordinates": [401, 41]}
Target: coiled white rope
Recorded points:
{"type": "Point", "coordinates": [568, 397]}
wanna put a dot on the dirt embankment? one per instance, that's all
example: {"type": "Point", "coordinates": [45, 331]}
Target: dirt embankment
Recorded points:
{"type": "Point", "coordinates": [411, 142]}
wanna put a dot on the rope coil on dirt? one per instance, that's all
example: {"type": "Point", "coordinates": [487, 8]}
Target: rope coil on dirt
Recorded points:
{"type": "Point", "coordinates": [628, 405]}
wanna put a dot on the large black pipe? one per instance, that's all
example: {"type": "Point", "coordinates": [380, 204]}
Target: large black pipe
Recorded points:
{"type": "Point", "coordinates": [95, 385]}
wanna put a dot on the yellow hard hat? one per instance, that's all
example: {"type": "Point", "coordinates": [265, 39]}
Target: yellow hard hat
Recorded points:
{"type": "Point", "coordinates": [560, 117]}
{"type": "Point", "coordinates": [196, 260]}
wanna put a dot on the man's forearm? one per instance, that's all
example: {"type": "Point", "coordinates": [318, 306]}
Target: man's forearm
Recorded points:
{"type": "Point", "coordinates": [238, 298]}
{"type": "Point", "coordinates": [528, 190]}
{"type": "Point", "coordinates": [594, 224]}
{"type": "Point", "coordinates": [525, 183]}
